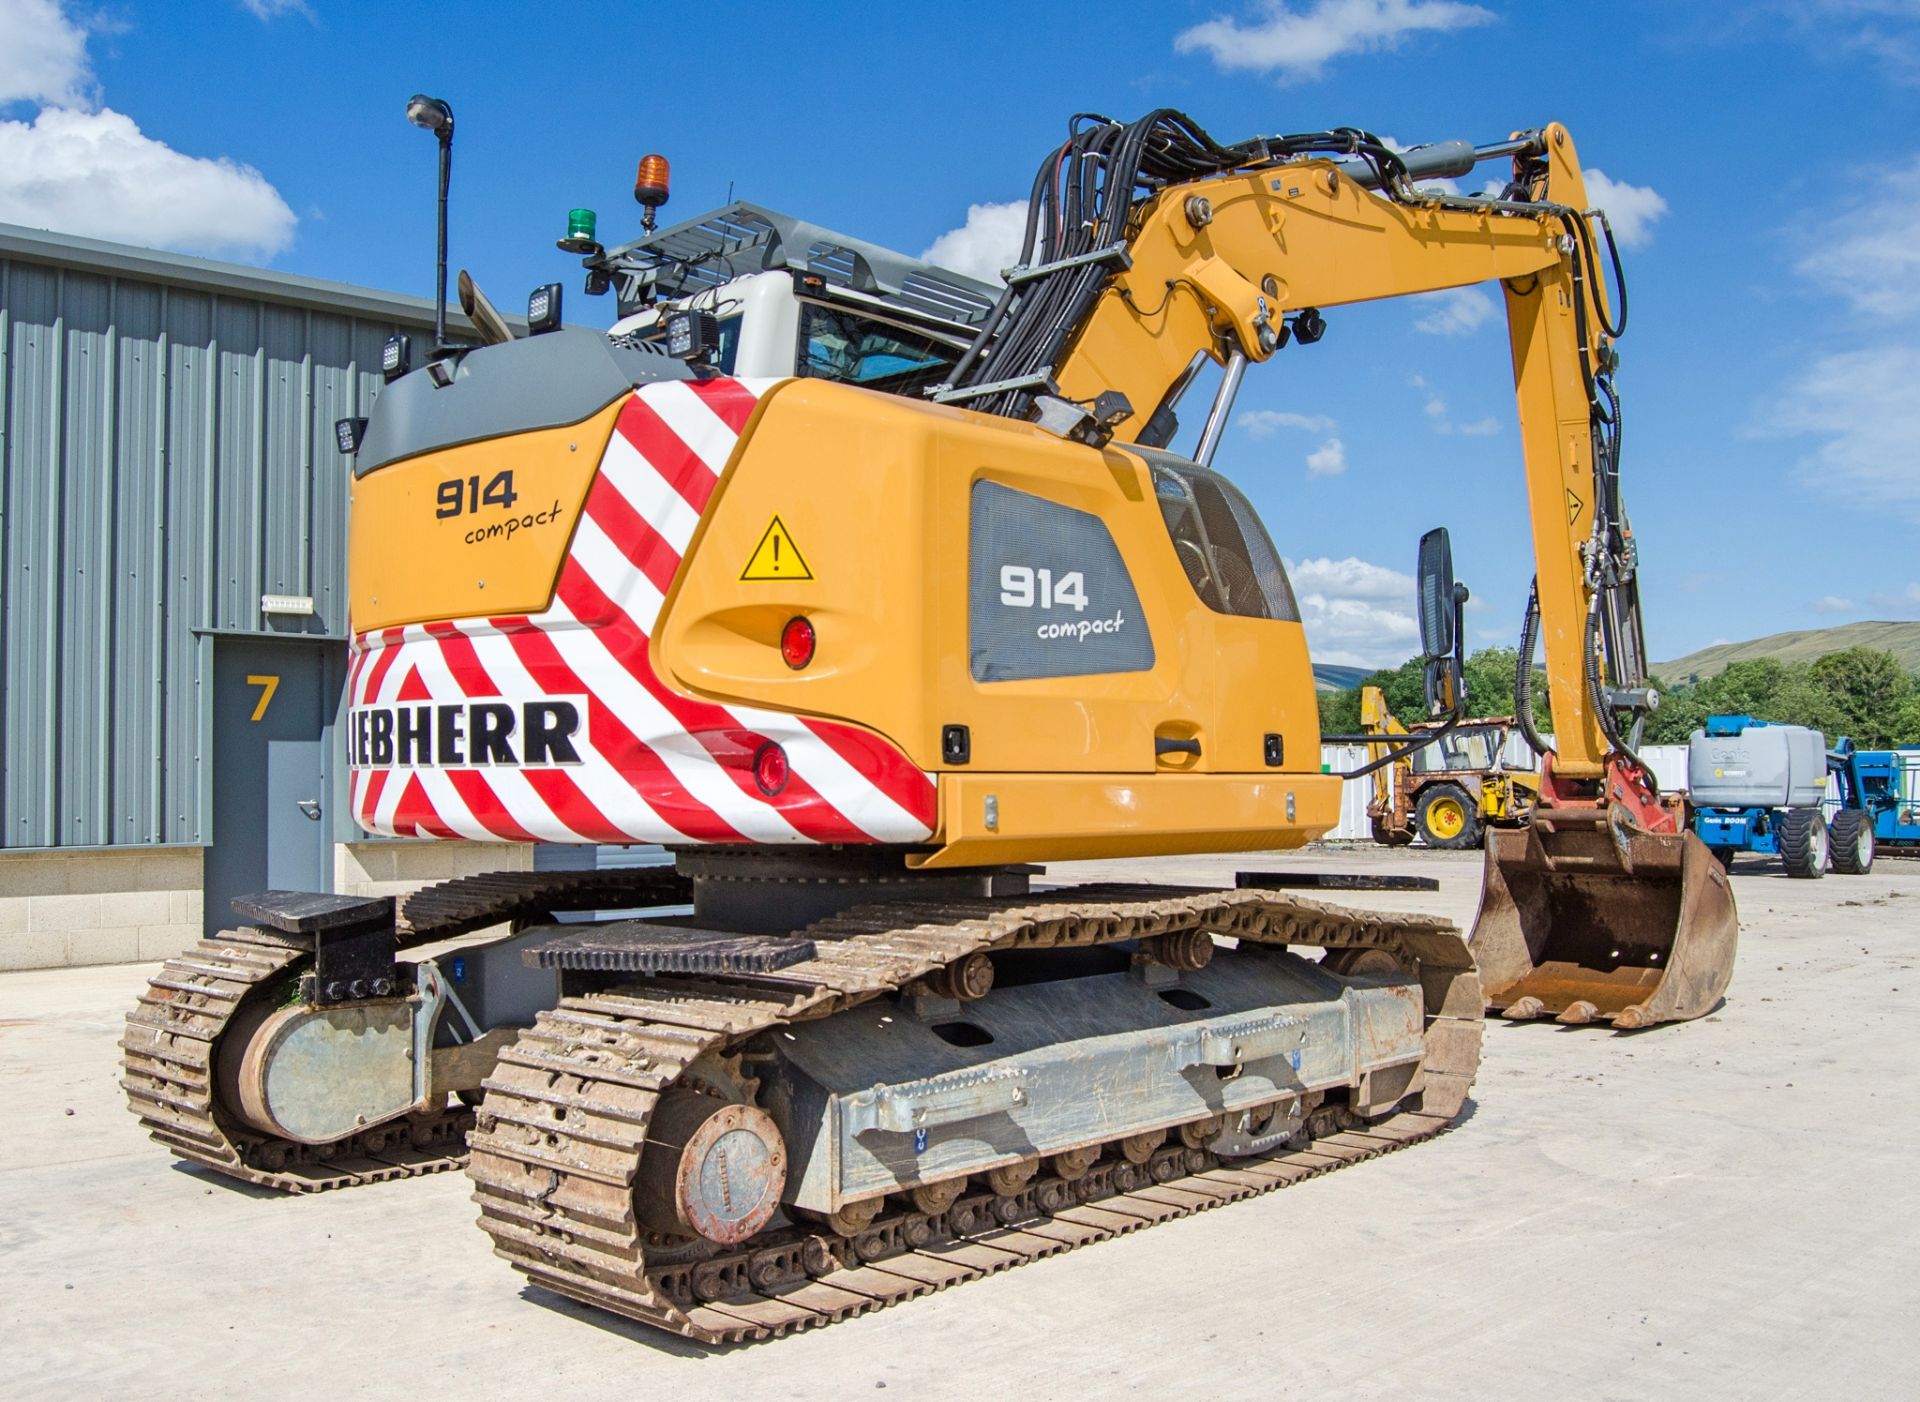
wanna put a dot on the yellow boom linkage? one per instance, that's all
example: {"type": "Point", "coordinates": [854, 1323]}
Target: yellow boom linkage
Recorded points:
{"type": "Point", "coordinates": [1602, 907]}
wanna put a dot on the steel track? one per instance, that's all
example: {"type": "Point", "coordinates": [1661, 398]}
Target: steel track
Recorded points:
{"type": "Point", "coordinates": [171, 1052]}
{"type": "Point", "coordinates": [561, 1132]}
{"type": "Point", "coordinates": [171, 1047]}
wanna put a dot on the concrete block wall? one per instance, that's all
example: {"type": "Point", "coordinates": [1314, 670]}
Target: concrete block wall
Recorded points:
{"type": "Point", "coordinates": [143, 905]}
{"type": "Point", "coordinates": [395, 868]}
{"type": "Point", "coordinates": [107, 906]}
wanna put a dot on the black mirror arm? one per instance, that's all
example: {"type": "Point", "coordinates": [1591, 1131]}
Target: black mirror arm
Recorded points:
{"type": "Point", "coordinates": [1458, 663]}
{"type": "Point", "coordinates": [1398, 751]}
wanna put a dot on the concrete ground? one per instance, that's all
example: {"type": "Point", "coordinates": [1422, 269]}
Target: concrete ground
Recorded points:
{"type": "Point", "coordinates": [1716, 1209]}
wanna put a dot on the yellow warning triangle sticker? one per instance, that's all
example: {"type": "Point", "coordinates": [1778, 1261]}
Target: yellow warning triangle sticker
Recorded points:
{"type": "Point", "coordinates": [1573, 507]}
{"type": "Point", "coordinates": [776, 556]}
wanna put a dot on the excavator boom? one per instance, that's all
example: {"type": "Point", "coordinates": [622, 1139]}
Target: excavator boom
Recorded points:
{"type": "Point", "coordinates": [1590, 907]}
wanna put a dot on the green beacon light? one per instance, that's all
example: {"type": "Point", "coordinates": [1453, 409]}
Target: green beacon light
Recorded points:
{"type": "Point", "coordinates": [581, 224]}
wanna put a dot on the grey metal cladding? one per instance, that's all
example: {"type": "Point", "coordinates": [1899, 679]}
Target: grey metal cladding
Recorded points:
{"type": "Point", "coordinates": [166, 457]}
{"type": "Point", "coordinates": [1048, 594]}
{"type": "Point", "coordinates": [536, 382]}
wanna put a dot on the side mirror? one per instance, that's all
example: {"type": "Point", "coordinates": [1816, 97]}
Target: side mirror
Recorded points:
{"type": "Point", "coordinates": [1435, 579]}
{"type": "Point", "coordinates": [1442, 637]}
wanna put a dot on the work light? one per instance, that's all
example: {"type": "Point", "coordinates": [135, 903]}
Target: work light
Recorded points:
{"type": "Point", "coordinates": [543, 309]}
{"type": "Point", "coordinates": [396, 356]}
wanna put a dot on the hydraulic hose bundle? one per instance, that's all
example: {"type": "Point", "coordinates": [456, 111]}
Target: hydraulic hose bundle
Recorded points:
{"type": "Point", "coordinates": [1085, 197]}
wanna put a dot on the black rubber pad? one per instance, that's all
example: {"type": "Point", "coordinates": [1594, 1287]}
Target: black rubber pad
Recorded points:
{"type": "Point", "coordinates": [636, 947]}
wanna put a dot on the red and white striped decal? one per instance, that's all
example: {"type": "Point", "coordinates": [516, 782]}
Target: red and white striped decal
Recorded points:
{"type": "Point", "coordinates": [653, 765]}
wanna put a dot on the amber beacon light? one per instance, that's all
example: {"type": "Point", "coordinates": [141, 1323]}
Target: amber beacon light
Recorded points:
{"type": "Point", "coordinates": [650, 187]}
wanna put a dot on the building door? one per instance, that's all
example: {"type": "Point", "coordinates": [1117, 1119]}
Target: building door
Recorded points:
{"type": "Point", "coordinates": [271, 771]}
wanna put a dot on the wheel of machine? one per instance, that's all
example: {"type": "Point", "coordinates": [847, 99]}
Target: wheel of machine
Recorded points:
{"type": "Point", "coordinates": [1350, 961]}
{"type": "Point", "coordinates": [1724, 856]}
{"type": "Point", "coordinates": [1852, 840]}
{"type": "Point", "coordinates": [1388, 836]}
{"type": "Point", "coordinates": [1803, 842]}
{"type": "Point", "coordinates": [1446, 817]}
{"type": "Point", "coordinates": [935, 1198]}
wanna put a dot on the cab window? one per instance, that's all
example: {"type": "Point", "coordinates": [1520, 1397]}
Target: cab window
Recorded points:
{"type": "Point", "coordinates": [836, 344]}
{"type": "Point", "coordinates": [1226, 552]}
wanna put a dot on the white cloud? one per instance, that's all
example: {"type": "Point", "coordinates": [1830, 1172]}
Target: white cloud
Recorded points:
{"type": "Point", "coordinates": [1458, 311]}
{"type": "Point", "coordinates": [1899, 604]}
{"type": "Point", "coordinates": [1264, 423]}
{"type": "Point", "coordinates": [1328, 460]}
{"type": "Point", "coordinates": [1886, 30]}
{"type": "Point", "coordinates": [43, 55]}
{"type": "Point", "coordinates": [94, 173]}
{"type": "Point", "coordinates": [1862, 404]}
{"type": "Point", "coordinates": [1631, 209]}
{"type": "Point", "coordinates": [1356, 614]}
{"type": "Point", "coordinates": [265, 10]}
{"type": "Point", "coordinates": [988, 242]}
{"type": "Point", "coordinates": [79, 169]}
{"type": "Point", "coordinates": [1297, 43]}
{"type": "Point", "coordinates": [1832, 603]}
{"type": "Point", "coordinates": [1440, 422]}
{"type": "Point", "coordinates": [1866, 253]}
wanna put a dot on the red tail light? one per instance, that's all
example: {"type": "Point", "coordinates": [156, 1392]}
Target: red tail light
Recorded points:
{"type": "Point", "coordinates": [770, 770]}
{"type": "Point", "coordinates": [796, 643]}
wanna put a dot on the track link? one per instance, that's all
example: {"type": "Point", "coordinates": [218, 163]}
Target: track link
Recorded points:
{"type": "Point", "coordinates": [171, 1046]}
{"type": "Point", "coordinates": [171, 1065]}
{"type": "Point", "coordinates": [557, 1147]}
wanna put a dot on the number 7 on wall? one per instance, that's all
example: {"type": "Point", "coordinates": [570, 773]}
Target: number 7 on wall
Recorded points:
{"type": "Point", "coordinates": [267, 685]}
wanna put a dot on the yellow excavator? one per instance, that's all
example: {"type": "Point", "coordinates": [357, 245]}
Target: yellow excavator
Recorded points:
{"type": "Point", "coordinates": [1448, 793]}
{"type": "Point", "coordinates": [863, 588]}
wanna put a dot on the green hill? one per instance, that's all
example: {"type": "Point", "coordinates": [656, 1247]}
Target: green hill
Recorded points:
{"type": "Point", "coordinates": [1900, 639]}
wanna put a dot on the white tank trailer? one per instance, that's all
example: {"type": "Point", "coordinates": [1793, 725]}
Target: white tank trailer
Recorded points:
{"type": "Point", "coordinates": [1755, 787]}
{"type": "Point", "coordinates": [1761, 766]}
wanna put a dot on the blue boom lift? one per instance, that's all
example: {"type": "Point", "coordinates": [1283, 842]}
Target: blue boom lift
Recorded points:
{"type": "Point", "coordinates": [1879, 784]}
{"type": "Point", "coordinates": [1754, 786]}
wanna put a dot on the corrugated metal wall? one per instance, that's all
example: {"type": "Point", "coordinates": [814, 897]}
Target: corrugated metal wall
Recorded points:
{"type": "Point", "coordinates": [166, 457]}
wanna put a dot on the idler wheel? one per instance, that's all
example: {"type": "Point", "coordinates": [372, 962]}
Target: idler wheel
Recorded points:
{"type": "Point", "coordinates": [1186, 950]}
{"type": "Point", "coordinates": [1010, 1178]}
{"type": "Point", "coordinates": [1197, 1134]}
{"type": "Point", "coordinates": [709, 1168]}
{"type": "Point", "coordinates": [1073, 1164]}
{"type": "Point", "coordinates": [935, 1198]}
{"type": "Point", "coordinates": [1136, 1149]}
{"type": "Point", "coordinates": [964, 980]}
{"type": "Point", "coordinates": [853, 1218]}
{"type": "Point", "coordinates": [1354, 960]}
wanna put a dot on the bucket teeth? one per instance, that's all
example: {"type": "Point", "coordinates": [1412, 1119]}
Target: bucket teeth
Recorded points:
{"type": "Point", "coordinates": [1632, 1019]}
{"type": "Point", "coordinates": [1578, 1014]}
{"type": "Point", "coordinates": [1525, 1009]}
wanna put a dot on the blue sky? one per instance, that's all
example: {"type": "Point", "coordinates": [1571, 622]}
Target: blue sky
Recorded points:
{"type": "Point", "coordinates": [1761, 154]}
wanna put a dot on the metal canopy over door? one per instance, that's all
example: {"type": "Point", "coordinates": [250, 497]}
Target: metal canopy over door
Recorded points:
{"type": "Point", "coordinates": [272, 708]}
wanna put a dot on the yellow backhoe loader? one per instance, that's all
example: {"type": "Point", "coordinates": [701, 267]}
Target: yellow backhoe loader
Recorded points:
{"type": "Point", "coordinates": [860, 632]}
{"type": "Point", "coordinates": [1447, 793]}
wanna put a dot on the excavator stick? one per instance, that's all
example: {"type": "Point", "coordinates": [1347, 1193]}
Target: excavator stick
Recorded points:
{"type": "Point", "coordinates": [1603, 907]}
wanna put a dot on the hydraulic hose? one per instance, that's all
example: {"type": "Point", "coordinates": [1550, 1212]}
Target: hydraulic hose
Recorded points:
{"type": "Point", "coordinates": [1597, 697]}
{"type": "Point", "coordinates": [1523, 673]}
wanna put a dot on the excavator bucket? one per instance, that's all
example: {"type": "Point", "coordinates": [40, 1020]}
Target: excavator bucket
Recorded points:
{"type": "Point", "coordinates": [1585, 917]}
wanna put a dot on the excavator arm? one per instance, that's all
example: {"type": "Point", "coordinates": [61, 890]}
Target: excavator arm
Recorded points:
{"type": "Point", "coordinates": [1150, 248]}
{"type": "Point", "coordinates": [1222, 265]}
